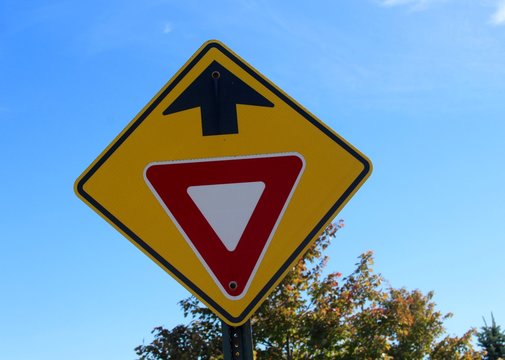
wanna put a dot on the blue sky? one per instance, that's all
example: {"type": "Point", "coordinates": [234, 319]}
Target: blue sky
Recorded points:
{"type": "Point", "coordinates": [418, 86]}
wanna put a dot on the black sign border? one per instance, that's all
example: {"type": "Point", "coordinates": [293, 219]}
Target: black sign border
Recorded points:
{"type": "Point", "coordinates": [303, 245]}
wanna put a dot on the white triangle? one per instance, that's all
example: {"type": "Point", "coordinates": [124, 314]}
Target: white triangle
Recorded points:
{"type": "Point", "coordinates": [227, 207]}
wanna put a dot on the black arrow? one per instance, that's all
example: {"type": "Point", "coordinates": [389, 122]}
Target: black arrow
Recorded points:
{"type": "Point", "coordinates": [217, 92]}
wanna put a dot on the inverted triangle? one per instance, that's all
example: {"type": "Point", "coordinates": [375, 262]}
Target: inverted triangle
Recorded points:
{"type": "Point", "coordinates": [227, 208]}
{"type": "Point", "coordinates": [231, 256]}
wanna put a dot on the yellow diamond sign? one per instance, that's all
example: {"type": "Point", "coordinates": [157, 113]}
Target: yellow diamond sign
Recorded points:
{"type": "Point", "coordinates": [224, 181]}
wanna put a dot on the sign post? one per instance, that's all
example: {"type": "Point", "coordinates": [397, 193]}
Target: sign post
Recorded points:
{"type": "Point", "coordinates": [237, 342]}
{"type": "Point", "coordinates": [224, 181]}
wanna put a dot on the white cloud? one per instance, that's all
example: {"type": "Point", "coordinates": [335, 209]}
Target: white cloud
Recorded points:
{"type": "Point", "coordinates": [167, 28]}
{"type": "Point", "coordinates": [397, 2]}
{"type": "Point", "coordinates": [498, 18]}
{"type": "Point", "coordinates": [413, 4]}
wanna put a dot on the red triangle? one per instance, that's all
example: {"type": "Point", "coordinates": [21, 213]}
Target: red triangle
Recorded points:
{"type": "Point", "coordinates": [232, 270]}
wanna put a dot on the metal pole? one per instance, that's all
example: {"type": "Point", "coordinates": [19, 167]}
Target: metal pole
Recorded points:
{"type": "Point", "coordinates": [237, 342]}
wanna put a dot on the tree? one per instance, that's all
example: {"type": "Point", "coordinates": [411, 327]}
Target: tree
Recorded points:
{"type": "Point", "coordinates": [313, 314]}
{"type": "Point", "coordinates": [492, 340]}
{"type": "Point", "coordinates": [182, 343]}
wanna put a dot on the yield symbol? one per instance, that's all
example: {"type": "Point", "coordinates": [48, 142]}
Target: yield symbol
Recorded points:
{"type": "Point", "coordinates": [227, 209]}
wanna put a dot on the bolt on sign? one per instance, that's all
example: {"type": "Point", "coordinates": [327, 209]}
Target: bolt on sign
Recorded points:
{"type": "Point", "coordinates": [224, 181]}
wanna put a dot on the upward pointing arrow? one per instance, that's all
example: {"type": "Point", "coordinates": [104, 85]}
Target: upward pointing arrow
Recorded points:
{"type": "Point", "coordinates": [217, 92]}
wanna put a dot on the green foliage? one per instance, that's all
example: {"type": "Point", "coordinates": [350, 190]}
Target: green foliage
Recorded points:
{"type": "Point", "coordinates": [182, 343]}
{"type": "Point", "coordinates": [314, 315]}
{"type": "Point", "coordinates": [492, 340]}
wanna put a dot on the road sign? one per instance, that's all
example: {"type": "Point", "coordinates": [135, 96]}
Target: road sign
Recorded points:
{"type": "Point", "coordinates": [227, 209]}
{"type": "Point", "coordinates": [224, 181]}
